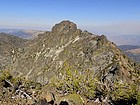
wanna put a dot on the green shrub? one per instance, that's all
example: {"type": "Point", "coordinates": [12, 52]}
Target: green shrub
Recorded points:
{"type": "Point", "coordinates": [126, 92]}
{"type": "Point", "coordinates": [138, 98]}
{"type": "Point", "coordinates": [5, 74]}
{"type": "Point", "coordinates": [73, 81]}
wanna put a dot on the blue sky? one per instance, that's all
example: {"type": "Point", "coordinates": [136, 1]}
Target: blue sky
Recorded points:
{"type": "Point", "coordinates": [98, 16]}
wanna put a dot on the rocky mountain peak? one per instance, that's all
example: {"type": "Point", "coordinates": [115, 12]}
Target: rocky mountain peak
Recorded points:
{"type": "Point", "coordinates": [67, 60]}
{"type": "Point", "coordinates": [79, 50]}
{"type": "Point", "coordinates": [64, 27]}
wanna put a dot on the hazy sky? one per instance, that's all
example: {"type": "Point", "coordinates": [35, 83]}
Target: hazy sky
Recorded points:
{"type": "Point", "coordinates": [98, 16]}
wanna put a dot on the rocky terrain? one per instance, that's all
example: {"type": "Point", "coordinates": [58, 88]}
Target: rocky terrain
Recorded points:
{"type": "Point", "coordinates": [68, 66]}
{"type": "Point", "coordinates": [8, 43]}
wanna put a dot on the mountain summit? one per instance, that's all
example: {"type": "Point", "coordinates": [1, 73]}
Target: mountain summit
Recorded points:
{"type": "Point", "coordinates": [79, 50]}
{"type": "Point", "coordinates": [64, 26]}
{"type": "Point", "coordinates": [73, 60]}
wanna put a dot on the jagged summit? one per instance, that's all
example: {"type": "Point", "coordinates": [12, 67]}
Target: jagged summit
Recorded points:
{"type": "Point", "coordinates": [64, 27]}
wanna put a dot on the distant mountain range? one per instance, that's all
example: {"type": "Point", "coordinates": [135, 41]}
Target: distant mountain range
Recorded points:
{"type": "Point", "coordinates": [125, 39]}
{"type": "Point", "coordinates": [22, 33]}
{"type": "Point", "coordinates": [132, 51]}
{"type": "Point", "coordinates": [129, 44]}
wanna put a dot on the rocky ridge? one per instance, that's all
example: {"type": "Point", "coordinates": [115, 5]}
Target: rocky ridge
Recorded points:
{"type": "Point", "coordinates": [68, 46]}
{"type": "Point", "coordinates": [8, 45]}
{"type": "Point", "coordinates": [74, 62]}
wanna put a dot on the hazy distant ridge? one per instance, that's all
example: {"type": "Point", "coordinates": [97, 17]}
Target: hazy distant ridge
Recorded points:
{"type": "Point", "coordinates": [25, 34]}
{"type": "Point", "coordinates": [125, 39]}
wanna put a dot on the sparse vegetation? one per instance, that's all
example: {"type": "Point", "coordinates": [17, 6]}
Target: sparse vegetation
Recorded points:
{"type": "Point", "coordinates": [72, 81]}
{"type": "Point", "coordinates": [125, 93]}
